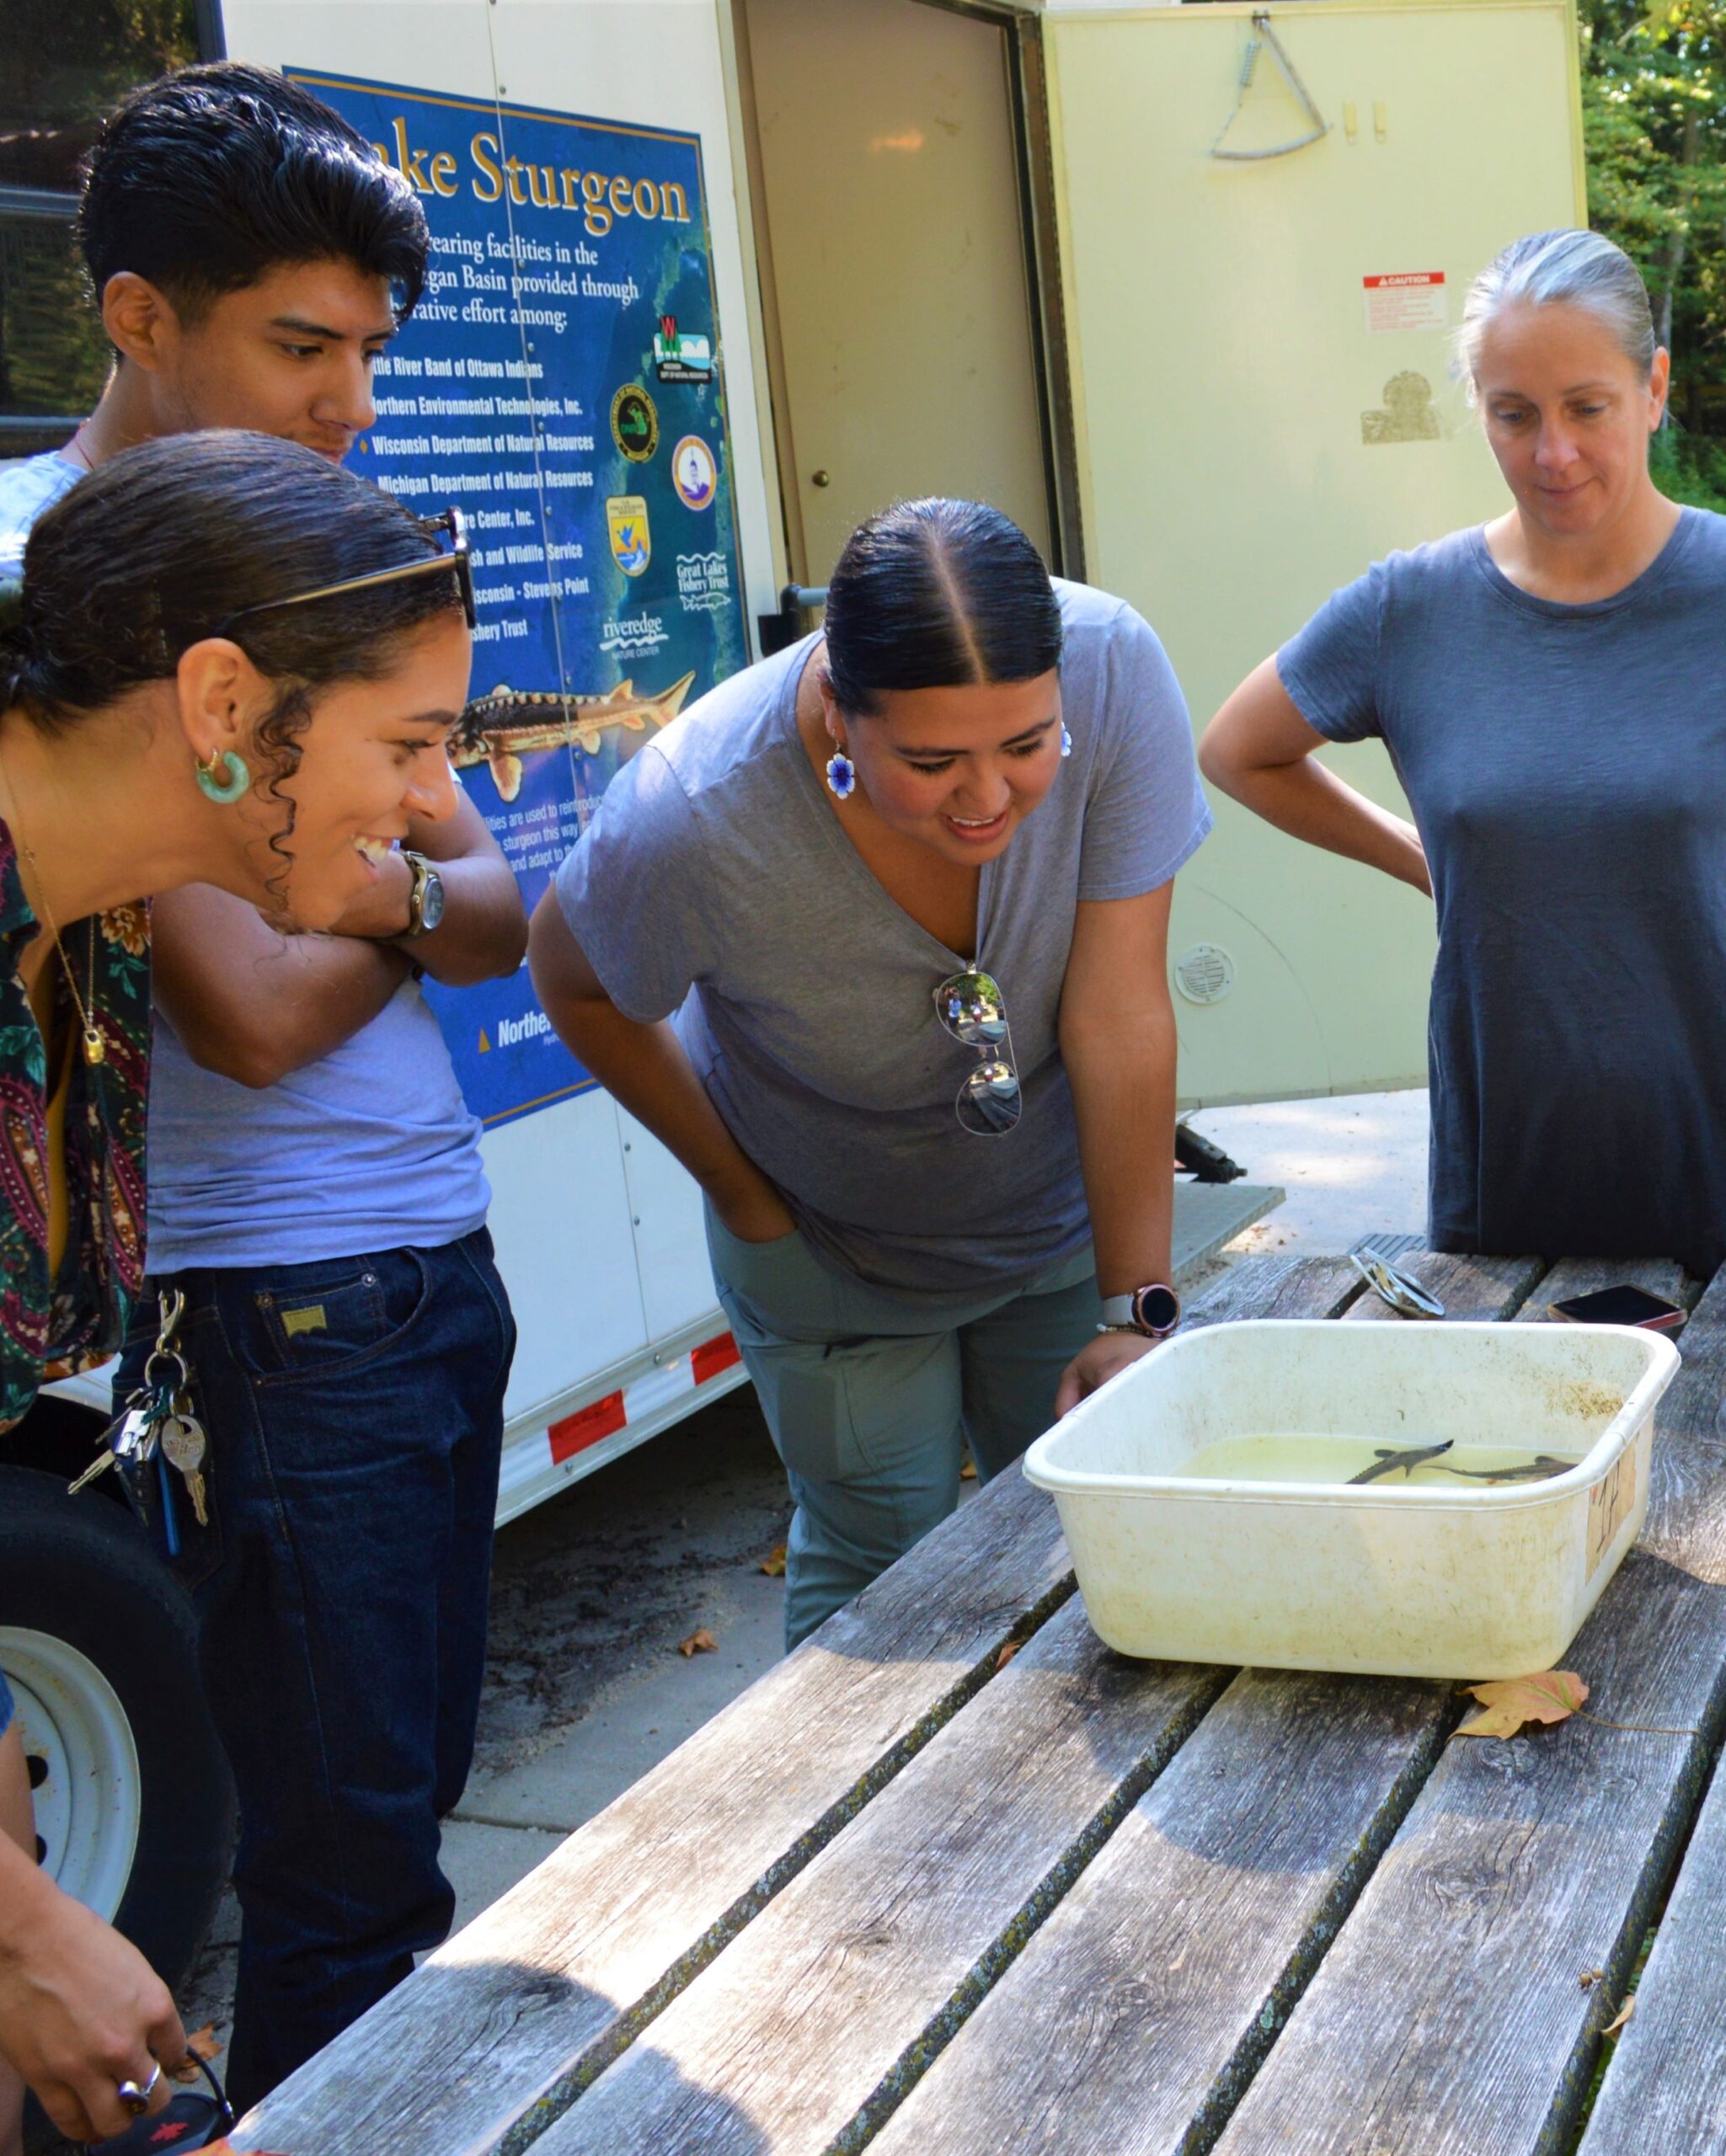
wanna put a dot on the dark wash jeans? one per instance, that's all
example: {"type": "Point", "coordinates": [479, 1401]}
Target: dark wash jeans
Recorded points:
{"type": "Point", "coordinates": [355, 1411]}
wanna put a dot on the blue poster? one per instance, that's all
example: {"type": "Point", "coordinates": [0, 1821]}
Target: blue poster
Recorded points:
{"type": "Point", "coordinates": [560, 381]}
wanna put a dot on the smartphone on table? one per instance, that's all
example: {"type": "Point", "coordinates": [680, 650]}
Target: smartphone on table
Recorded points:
{"type": "Point", "coordinates": [1624, 1305]}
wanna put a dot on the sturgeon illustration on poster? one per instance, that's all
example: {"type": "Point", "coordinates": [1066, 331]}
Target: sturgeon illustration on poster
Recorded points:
{"type": "Point", "coordinates": [560, 382]}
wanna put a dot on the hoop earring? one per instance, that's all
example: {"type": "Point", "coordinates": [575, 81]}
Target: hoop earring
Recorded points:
{"type": "Point", "coordinates": [842, 775]}
{"type": "Point", "coordinates": [236, 778]}
{"type": "Point", "coordinates": [1066, 741]}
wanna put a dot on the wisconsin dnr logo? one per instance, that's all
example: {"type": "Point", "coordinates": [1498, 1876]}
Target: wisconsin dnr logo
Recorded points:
{"type": "Point", "coordinates": [680, 356]}
{"type": "Point", "coordinates": [632, 544]}
{"type": "Point", "coordinates": [635, 425]}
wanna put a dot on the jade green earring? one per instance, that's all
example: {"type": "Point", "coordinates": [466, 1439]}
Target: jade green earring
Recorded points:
{"type": "Point", "coordinates": [230, 785]}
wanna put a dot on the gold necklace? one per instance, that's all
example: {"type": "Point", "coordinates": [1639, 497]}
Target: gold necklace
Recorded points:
{"type": "Point", "coordinates": [95, 1047]}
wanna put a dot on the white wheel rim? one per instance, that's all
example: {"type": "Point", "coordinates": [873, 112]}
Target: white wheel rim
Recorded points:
{"type": "Point", "coordinates": [84, 1765]}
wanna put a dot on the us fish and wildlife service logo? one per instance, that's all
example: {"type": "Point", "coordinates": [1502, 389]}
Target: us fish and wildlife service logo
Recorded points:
{"type": "Point", "coordinates": [632, 543]}
{"type": "Point", "coordinates": [635, 425]}
{"type": "Point", "coordinates": [694, 473]}
{"type": "Point", "coordinates": [679, 356]}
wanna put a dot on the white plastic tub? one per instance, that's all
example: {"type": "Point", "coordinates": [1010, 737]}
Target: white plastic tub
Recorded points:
{"type": "Point", "coordinates": [1410, 1582]}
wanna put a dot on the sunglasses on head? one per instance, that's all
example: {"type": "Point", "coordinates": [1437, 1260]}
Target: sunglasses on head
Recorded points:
{"type": "Point", "coordinates": [457, 561]}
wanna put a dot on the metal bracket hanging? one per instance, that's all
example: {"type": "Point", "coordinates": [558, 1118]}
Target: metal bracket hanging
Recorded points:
{"type": "Point", "coordinates": [1262, 37]}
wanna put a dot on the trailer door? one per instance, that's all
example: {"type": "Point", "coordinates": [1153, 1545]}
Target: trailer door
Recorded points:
{"type": "Point", "coordinates": [1259, 349]}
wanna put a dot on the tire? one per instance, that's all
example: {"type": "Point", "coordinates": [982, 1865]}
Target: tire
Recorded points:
{"type": "Point", "coordinates": [135, 1803]}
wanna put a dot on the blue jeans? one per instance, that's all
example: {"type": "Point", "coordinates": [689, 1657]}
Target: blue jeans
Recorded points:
{"type": "Point", "coordinates": [354, 1412]}
{"type": "Point", "coordinates": [872, 1396]}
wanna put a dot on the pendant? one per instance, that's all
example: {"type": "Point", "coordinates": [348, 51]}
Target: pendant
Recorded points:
{"type": "Point", "coordinates": [95, 1048]}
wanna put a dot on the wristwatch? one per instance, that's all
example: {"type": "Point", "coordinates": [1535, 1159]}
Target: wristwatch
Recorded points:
{"type": "Point", "coordinates": [425, 896]}
{"type": "Point", "coordinates": [1154, 1312]}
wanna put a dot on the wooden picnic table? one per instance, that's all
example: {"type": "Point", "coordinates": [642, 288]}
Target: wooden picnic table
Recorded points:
{"type": "Point", "coordinates": [915, 1894]}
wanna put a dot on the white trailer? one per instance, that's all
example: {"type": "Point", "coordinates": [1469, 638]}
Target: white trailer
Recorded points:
{"type": "Point", "coordinates": [1171, 284]}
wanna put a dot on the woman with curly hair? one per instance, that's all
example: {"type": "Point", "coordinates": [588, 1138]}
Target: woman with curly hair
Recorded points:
{"type": "Point", "coordinates": [232, 663]}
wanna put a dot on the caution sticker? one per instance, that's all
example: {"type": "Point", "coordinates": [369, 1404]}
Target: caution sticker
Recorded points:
{"type": "Point", "coordinates": [1406, 299]}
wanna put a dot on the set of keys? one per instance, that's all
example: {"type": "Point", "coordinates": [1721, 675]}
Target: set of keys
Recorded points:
{"type": "Point", "coordinates": [158, 1417]}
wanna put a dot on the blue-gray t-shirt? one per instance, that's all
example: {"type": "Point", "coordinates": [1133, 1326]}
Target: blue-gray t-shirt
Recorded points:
{"type": "Point", "coordinates": [1567, 769]}
{"type": "Point", "coordinates": [370, 1148]}
{"type": "Point", "coordinates": [715, 880]}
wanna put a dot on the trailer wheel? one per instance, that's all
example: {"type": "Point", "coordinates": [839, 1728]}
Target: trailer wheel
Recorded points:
{"type": "Point", "coordinates": [134, 1803]}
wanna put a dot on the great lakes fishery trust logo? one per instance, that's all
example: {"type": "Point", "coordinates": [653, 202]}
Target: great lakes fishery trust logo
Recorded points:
{"type": "Point", "coordinates": [635, 423]}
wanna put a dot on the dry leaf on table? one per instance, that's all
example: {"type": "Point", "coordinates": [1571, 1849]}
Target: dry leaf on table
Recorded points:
{"type": "Point", "coordinates": [1007, 1652]}
{"type": "Point", "coordinates": [968, 1473]}
{"type": "Point", "coordinates": [1621, 2017]}
{"type": "Point", "coordinates": [700, 1641]}
{"type": "Point", "coordinates": [1553, 1695]}
{"type": "Point", "coordinates": [773, 1564]}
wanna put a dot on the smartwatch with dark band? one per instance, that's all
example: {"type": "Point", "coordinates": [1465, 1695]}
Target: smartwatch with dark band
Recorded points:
{"type": "Point", "coordinates": [1154, 1312]}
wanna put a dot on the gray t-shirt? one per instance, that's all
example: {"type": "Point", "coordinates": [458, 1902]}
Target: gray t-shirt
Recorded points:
{"type": "Point", "coordinates": [715, 877]}
{"type": "Point", "coordinates": [1567, 769]}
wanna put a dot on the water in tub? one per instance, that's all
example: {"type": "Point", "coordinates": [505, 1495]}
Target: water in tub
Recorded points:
{"type": "Point", "coordinates": [1438, 1466]}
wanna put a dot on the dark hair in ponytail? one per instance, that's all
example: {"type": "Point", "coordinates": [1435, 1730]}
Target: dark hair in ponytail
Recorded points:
{"type": "Point", "coordinates": [157, 547]}
{"type": "Point", "coordinates": [937, 595]}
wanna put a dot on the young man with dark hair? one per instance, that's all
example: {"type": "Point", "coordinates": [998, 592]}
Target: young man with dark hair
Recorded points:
{"type": "Point", "coordinates": [315, 1182]}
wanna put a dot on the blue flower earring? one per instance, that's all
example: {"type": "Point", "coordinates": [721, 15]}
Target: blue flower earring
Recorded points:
{"type": "Point", "coordinates": [1066, 741]}
{"type": "Point", "coordinates": [842, 775]}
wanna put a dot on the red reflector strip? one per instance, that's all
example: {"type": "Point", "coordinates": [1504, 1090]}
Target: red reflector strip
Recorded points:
{"type": "Point", "coordinates": [713, 1356]}
{"type": "Point", "coordinates": [587, 1427]}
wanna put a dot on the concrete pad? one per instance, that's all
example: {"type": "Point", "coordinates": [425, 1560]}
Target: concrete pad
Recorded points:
{"type": "Point", "coordinates": [1351, 1165]}
{"type": "Point", "coordinates": [482, 1863]}
{"type": "Point", "coordinates": [635, 1722]}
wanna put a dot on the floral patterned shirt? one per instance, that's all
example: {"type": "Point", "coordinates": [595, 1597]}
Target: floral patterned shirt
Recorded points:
{"type": "Point", "coordinates": [48, 1328]}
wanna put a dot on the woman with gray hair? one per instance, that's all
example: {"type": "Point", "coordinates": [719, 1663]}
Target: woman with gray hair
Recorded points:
{"type": "Point", "coordinates": [1549, 688]}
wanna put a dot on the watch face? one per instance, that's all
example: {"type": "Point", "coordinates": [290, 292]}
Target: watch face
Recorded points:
{"type": "Point", "coordinates": [431, 902]}
{"type": "Point", "coordinates": [1157, 1310]}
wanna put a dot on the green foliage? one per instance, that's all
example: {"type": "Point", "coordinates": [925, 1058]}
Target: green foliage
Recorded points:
{"type": "Point", "coordinates": [1654, 101]}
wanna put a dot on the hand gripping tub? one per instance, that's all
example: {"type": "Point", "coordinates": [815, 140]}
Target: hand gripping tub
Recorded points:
{"type": "Point", "coordinates": [1411, 1581]}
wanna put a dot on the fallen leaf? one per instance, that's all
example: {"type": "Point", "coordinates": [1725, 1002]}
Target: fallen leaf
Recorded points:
{"type": "Point", "coordinates": [773, 1564]}
{"type": "Point", "coordinates": [1590, 1977]}
{"type": "Point", "coordinates": [1551, 1695]}
{"type": "Point", "coordinates": [1621, 2017]}
{"type": "Point", "coordinates": [968, 1473]}
{"type": "Point", "coordinates": [203, 2044]}
{"type": "Point", "coordinates": [1007, 1653]}
{"type": "Point", "coordinates": [700, 1641]}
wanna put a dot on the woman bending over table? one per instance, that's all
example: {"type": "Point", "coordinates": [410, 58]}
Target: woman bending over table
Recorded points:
{"type": "Point", "coordinates": [176, 706]}
{"type": "Point", "coordinates": [1549, 687]}
{"type": "Point", "coordinates": [906, 887]}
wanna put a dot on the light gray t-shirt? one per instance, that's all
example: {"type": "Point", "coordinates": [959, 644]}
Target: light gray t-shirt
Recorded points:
{"type": "Point", "coordinates": [715, 881]}
{"type": "Point", "coordinates": [1567, 769]}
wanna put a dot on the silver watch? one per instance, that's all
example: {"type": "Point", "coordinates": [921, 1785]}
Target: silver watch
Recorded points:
{"type": "Point", "coordinates": [1154, 1312]}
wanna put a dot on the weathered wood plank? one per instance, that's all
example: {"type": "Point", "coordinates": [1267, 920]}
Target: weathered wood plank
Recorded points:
{"type": "Point", "coordinates": [1470, 1289]}
{"type": "Point", "coordinates": [775, 2046]}
{"type": "Point", "coordinates": [1450, 2009]}
{"type": "Point", "coordinates": [1132, 2021]}
{"type": "Point", "coordinates": [1686, 1521]}
{"type": "Point", "coordinates": [1587, 1276]}
{"type": "Point", "coordinates": [504, 2024]}
{"type": "Point", "coordinates": [637, 1898]}
{"type": "Point", "coordinates": [1277, 1287]}
{"type": "Point", "coordinates": [1665, 2087]}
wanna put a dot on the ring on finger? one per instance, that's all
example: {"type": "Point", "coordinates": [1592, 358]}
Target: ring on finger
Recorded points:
{"type": "Point", "coordinates": [136, 2100]}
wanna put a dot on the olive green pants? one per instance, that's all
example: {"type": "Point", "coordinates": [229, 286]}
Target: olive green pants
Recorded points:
{"type": "Point", "coordinates": [872, 1395]}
